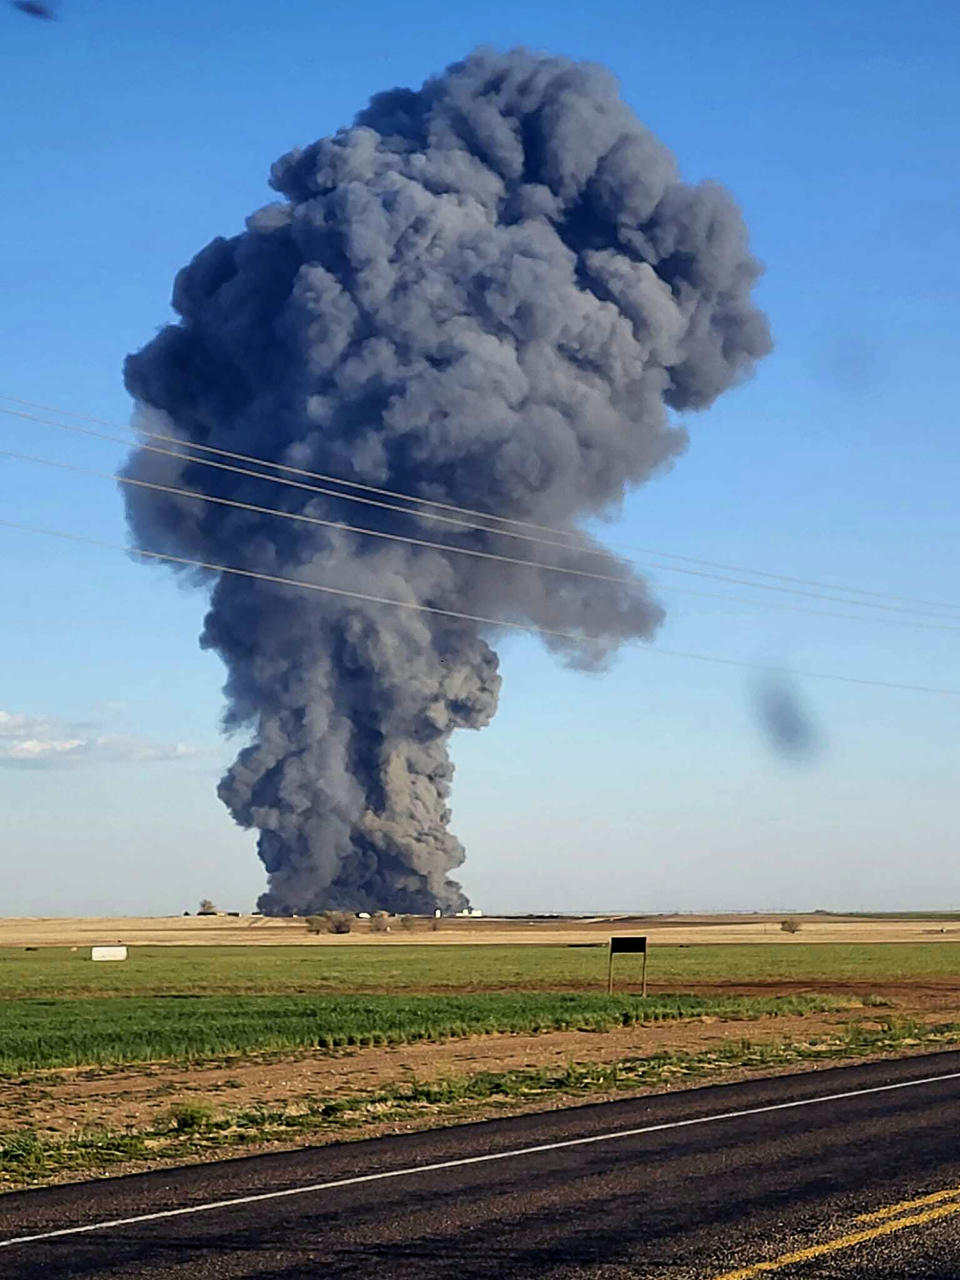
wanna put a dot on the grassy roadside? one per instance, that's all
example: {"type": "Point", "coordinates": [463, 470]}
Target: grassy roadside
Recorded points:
{"type": "Point", "coordinates": [331, 970]}
{"type": "Point", "coordinates": [42, 1034]}
{"type": "Point", "coordinates": [190, 1132]}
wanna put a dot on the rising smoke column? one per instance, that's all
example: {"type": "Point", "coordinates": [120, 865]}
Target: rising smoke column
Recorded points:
{"type": "Point", "coordinates": [487, 292]}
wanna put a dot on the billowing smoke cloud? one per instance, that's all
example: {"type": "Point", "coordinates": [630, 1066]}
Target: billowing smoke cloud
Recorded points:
{"type": "Point", "coordinates": [488, 292]}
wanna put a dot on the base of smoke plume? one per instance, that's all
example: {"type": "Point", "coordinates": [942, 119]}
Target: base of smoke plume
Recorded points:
{"type": "Point", "coordinates": [89, 1032]}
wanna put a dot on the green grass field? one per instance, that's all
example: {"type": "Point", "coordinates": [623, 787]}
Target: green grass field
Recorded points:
{"type": "Point", "coordinates": [57, 1008]}
{"type": "Point", "coordinates": [332, 970]}
{"type": "Point", "coordinates": [109, 1030]}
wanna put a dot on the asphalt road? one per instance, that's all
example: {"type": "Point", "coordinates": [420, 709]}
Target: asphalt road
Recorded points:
{"type": "Point", "coordinates": [853, 1172]}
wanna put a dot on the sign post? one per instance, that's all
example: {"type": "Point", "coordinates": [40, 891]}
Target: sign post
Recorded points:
{"type": "Point", "coordinates": [627, 946]}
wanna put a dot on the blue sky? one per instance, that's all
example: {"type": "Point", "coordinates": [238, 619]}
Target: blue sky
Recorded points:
{"type": "Point", "coordinates": [138, 132]}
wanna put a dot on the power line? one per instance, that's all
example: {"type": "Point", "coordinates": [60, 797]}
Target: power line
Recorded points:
{"type": "Point", "coordinates": [463, 524]}
{"type": "Point", "coordinates": [301, 517]}
{"type": "Point", "coordinates": [467, 511]}
{"type": "Point", "coordinates": [936, 612]}
{"type": "Point", "coordinates": [452, 613]}
{"type": "Point", "coordinates": [298, 484]}
{"type": "Point", "coordinates": [297, 471]}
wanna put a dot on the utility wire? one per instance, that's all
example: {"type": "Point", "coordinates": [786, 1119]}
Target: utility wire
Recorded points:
{"type": "Point", "coordinates": [936, 612]}
{"type": "Point", "coordinates": [636, 584]}
{"type": "Point", "coordinates": [446, 506]}
{"type": "Point", "coordinates": [297, 471]}
{"type": "Point", "coordinates": [452, 613]}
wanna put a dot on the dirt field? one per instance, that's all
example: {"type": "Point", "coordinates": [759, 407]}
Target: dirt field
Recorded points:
{"type": "Point", "coordinates": [50, 1120]}
{"type": "Point", "coordinates": [261, 930]}
{"type": "Point", "coordinates": [82, 1098]}
{"type": "Point", "coordinates": [86, 1123]}
{"type": "Point", "coordinates": [138, 1096]}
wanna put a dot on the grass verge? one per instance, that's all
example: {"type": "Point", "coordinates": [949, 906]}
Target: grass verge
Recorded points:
{"type": "Point", "coordinates": [190, 1131]}
{"type": "Point", "coordinates": [108, 1031]}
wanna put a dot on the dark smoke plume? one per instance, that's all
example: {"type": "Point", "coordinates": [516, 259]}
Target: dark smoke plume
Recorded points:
{"type": "Point", "coordinates": [487, 292]}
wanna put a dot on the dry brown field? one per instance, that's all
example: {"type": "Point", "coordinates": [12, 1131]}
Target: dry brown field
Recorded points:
{"type": "Point", "coordinates": [687, 930]}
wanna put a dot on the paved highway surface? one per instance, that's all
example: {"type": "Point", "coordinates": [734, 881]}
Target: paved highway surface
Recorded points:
{"type": "Point", "coordinates": [852, 1172]}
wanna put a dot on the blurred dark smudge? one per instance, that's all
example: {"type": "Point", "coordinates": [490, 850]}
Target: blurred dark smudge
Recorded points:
{"type": "Point", "coordinates": [787, 722]}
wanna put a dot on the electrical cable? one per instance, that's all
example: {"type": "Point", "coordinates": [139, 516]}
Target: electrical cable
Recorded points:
{"type": "Point", "coordinates": [935, 612]}
{"type": "Point", "coordinates": [637, 584]}
{"type": "Point", "coordinates": [452, 613]}
{"type": "Point", "coordinates": [449, 506]}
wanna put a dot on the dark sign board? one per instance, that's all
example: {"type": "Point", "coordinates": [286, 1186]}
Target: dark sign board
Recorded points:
{"type": "Point", "coordinates": [628, 946]}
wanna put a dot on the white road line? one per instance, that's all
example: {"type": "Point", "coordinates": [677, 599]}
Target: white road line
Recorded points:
{"type": "Point", "coordinates": [211, 1205]}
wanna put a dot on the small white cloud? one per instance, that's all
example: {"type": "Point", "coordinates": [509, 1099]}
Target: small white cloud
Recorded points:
{"type": "Point", "coordinates": [46, 742]}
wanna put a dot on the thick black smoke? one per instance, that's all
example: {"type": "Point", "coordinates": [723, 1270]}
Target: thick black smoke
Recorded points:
{"type": "Point", "coordinates": [486, 292]}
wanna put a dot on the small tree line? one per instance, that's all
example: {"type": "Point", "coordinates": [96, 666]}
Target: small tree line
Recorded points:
{"type": "Point", "coordinates": [344, 922]}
